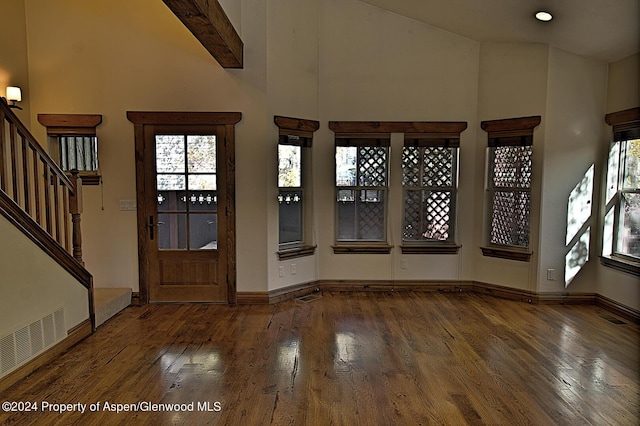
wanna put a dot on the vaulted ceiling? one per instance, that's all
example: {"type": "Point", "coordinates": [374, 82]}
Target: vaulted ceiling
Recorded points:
{"type": "Point", "coordinates": [607, 30]}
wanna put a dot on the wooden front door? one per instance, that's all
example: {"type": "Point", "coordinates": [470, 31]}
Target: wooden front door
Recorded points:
{"type": "Point", "coordinates": [186, 227]}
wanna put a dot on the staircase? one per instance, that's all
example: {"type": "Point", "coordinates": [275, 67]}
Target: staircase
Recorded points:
{"type": "Point", "coordinates": [45, 204]}
{"type": "Point", "coordinates": [46, 308]}
{"type": "Point", "coordinates": [109, 301]}
{"type": "Point", "coordinates": [40, 200]}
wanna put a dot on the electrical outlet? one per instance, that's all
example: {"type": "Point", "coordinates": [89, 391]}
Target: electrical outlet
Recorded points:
{"type": "Point", "coordinates": [404, 264]}
{"type": "Point", "coordinates": [281, 271]}
{"type": "Point", "coordinates": [293, 269]}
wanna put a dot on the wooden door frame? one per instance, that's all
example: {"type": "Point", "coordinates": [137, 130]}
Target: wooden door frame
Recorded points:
{"type": "Point", "coordinates": [143, 122]}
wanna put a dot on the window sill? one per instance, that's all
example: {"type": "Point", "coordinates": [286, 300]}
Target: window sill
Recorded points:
{"type": "Point", "coordinates": [623, 265]}
{"type": "Point", "coordinates": [430, 249]}
{"type": "Point", "coordinates": [505, 253]}
{"type": "Point", "coordinates": [88, 178]}
{"type": "Point", "coordinates": [291, 253]}
{"type": "Point", "coordinates": [362, 249]}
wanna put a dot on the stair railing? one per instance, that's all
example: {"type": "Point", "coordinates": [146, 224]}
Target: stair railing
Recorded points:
{"type": "Point", "coordinates": [37, 185]}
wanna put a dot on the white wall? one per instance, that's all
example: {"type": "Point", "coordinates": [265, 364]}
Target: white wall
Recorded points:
{"type": "Point", "coordinates": [623, 88]}
{"type": "Point", "coordinates": [322, 60]}
{"type": "Point", "coordinates": [33, 285]}
{"type": "Point", "coordinates": [292, 91]}
{"type": "Point", "coordinates": [13, 54]}
{"type": "Point", "coordinates": [110, 57]}
{"type": "Point", "coordinates": [379, 66]}
{"type": "Point", "coordinates": [513, 83]}
{"type": "Point", "coordinates": [574, 120]}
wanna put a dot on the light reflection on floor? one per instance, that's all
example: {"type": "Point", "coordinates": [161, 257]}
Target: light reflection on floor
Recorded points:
{"type": "Point", "coordinates": [288, 354]}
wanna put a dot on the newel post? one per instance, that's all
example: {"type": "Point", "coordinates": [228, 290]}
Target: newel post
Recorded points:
{"type": "Point", "coordinates": [75, 208]}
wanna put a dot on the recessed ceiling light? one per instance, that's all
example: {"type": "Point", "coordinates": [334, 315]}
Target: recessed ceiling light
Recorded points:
{"type": "Point", "coordinates": [543, 16]}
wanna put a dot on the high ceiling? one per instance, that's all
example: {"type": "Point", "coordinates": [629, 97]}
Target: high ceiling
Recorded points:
{"type": "Point", "coordinates": [607, 30]}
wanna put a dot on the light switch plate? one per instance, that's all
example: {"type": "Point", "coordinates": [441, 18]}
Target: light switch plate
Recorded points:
{"type": "Point", "coordinates": [551, 274]}
{"type": "Point", "coordinates": [127, 205]}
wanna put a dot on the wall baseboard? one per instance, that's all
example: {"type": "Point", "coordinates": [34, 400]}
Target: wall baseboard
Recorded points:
{"type": "Point", "coordinates": [503, 292]}
{"type": "Point", "coordinates": [298, 290]}
{"type": "Point", "coordinates": [400, 285]}
{"type": "Point", "coordinates": [252, 298]}
{"type": "Point", "coordinates": [566, 298]}
{"type": "Point", "coordinates": [616, 308]}
{"type": "Point", "coordinates": [75, 335]}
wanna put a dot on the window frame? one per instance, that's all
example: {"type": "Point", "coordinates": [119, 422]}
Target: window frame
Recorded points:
{"type": "Point", "coordinates": [363, 140]}
{"type": "Point", "coordinates": [506, 132]}
{"type": "Point", "coordinates": [448, 138]}
{"type": "Point", "coordinates": [298, 132]}
{"type": "Point", "coordinates": [386, 128]}
{"type": "Point", "coordinates": [625, 128]}
{"type": "Point", "coordinates": [72, 125]}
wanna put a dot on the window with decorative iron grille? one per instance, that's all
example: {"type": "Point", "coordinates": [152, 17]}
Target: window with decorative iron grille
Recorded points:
{"type": "Point", "coordinates": [510, 194]}
{"type": "Point", "coordinates": [509, 173]}
{"type": "Point", "coordinates": [429, 180]}
{"type": "Point", "coordinates": [361, 187]}
{"type": "Point", "coordinates": [294, 217]}
{"type": "Point", "coordinates": [622, 196]}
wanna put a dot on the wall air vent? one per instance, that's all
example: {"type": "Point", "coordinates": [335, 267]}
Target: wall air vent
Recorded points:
{"type": "Point", "coordinates": [27, 342]}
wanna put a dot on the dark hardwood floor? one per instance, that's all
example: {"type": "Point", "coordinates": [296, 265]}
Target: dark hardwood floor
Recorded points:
{"type": "Point", "coordinates": [399, 358]}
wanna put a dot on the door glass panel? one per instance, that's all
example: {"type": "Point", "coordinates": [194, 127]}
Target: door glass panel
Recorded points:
{"type": "Point", "coordinates": [202, 153]}
{"type": "Point", "coordinates": [172, 231]}
{"type": "Point", "coordinates": [202, 182]}
{"type": "Point", "coordinates": [170, 182]}
{"type": "Point", "coordinates": [203, 231]}
{"type": "Point", "coordinates": [170, 154]}
{"type": "Point", "coordinates": [186, 192]}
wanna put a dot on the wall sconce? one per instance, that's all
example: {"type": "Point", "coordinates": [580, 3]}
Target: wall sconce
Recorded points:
{"type": "Point", "coordinates": [14, 94]}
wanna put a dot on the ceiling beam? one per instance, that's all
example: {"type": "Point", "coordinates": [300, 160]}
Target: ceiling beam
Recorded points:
{"type": "Point", "coordinates": [207, 21]}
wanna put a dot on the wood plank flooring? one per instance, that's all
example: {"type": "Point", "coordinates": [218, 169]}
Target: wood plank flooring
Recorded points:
{"type": "Point", "coordinates": [348, 359]}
